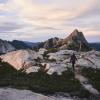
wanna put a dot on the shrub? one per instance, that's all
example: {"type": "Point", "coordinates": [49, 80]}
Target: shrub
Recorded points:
{"type": "Point", "coordinates": [93, 75]}
{"type": "Point", "coordinates": [44, 83]}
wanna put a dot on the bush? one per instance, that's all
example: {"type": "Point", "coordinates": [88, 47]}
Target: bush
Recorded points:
{"type": "Point", "coordinates": [54, 83]}
{"type": "Point", "coordinates": [39, 82]}
{"type": "Point", "coordinates": [44, 83]}
{"type": "Point", "coordinates": [93, 75]}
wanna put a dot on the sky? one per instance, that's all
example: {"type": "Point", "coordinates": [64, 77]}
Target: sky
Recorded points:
{"type": "Point", "coordinates": [39, 20]}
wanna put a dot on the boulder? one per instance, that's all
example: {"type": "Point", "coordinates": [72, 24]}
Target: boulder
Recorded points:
{"type": "Point", "coordinates": [42, 51]}
{"type": "Point", "coordinates": [32, 69]}
{"type": "Point", "coordinates": [51, 68]}
{"type": "Point", "coordinates": [61, 55]}
{"type": "Point", "coordinates": [90, 59]}
{"type": "Point", "coordinates": [22, 59]}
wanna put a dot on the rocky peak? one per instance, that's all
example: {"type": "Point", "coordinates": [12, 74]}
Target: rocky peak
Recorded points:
{"type": "Point", "coordinates": [78, 36]}
{"type": "Point", "coordinates": [75, 41]}
{"type": "Point", "coordinates": [75, 32]}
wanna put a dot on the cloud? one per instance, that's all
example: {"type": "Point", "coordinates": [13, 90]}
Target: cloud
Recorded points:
{"type": "Point", "coordinates": [45, 28]}
{"type": "Point", "coordinates": [7, 27]}
{"type": "Point", "coordinates": [44, 17]}
{"type": "Point", "coordinates": [47, 14]}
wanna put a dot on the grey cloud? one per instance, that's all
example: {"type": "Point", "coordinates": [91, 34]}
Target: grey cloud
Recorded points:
{"type": "Point", "coordinates": [10, 26]}
{"type": "Point", "coordinates": [45, 28]}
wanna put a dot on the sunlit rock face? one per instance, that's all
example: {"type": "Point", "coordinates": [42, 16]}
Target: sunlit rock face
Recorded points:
{"type": "Point", "coordinates": [51, 68]}
{"type": "Point", "coordinates": [5, 47]}
{"type": "Point", "coordinates": [15, 94]}
{"type": "Point", "coordinates": [22, 58]}
{"type": "Point", "coordinates": [74, 41]}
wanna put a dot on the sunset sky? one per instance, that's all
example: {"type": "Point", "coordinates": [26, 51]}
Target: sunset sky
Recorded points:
{"type": "Point", "coordinates": [38, 20]}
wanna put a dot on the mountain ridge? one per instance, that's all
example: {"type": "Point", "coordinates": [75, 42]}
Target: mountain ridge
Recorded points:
{"type": "Point", "coordinates": [75, 41]}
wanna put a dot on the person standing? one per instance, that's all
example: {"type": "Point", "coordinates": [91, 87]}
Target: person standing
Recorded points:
{"type": "Point", "coordinates": [73, 60]}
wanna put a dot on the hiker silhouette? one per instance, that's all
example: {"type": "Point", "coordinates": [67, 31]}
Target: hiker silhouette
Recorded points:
{"type": "Point", "coordinates": [73, 60]}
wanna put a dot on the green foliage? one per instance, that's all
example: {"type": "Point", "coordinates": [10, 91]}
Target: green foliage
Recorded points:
{"type": "Point", "coordinates": [44, 83]}
{"type": "Point", "coordinates": [93, 75]}
{"type": "Point", "coordinates": [39, 82]}
{"type": "Point", "coordinates": [9, 75]}
{"type": "Point", "coordinates": [54, 83]}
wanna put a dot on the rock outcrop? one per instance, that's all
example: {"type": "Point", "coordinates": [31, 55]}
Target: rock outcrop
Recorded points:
{"type": "Point", "coordinates": [42, 51]}
{"type": "Point", "coordinates": [58, 62]}
{"type": "Point", "coordinates": [75, 41]}
{"type": "Point", "coordinates": [23, 59]}
{"type": "Point", "coordinates": [50, 43]}
{"type": "Point", "coordinates": [15, 94]}
{"type": "Point", "coordinates": [90, 59]}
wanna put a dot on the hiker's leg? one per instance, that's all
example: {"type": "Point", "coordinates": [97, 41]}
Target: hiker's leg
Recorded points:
{"type": "Point", "coordinates": [73, 66]}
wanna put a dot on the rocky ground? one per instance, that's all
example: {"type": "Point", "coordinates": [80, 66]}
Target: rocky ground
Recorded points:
{"type": "Point", "coordinates": [15, 94]}
{"type": "Point", "coordinates": [51, 62]}
{"type": "Point", "coordinates": [50, 71]}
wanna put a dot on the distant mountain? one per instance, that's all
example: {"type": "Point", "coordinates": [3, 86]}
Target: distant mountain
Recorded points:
{"type": "Point", "coordinates": [20, 45]}
{"type": "Point", "coordinates": [26, 45]}
{"type": "Point", "coordinates": [5, 47]}
{"type": "Point", "coordinates": [32, 44]}
{"type": "Point", "coordinates": [74, 41]}
{"type": "Point", "coordinates": [95, 46]}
